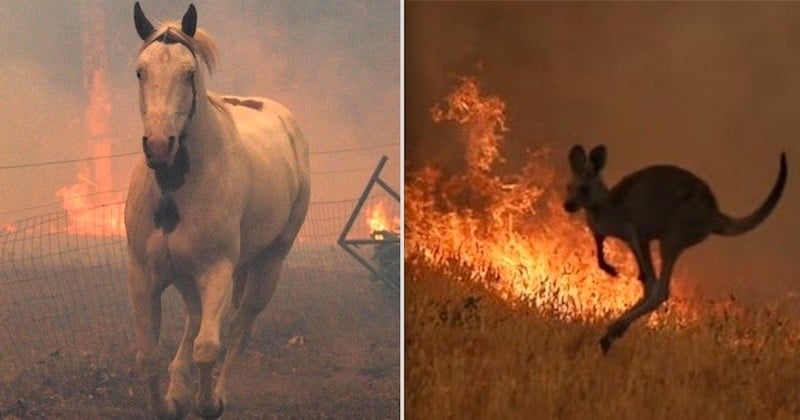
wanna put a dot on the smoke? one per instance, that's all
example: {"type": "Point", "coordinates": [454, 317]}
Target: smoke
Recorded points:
{"type": "Point", "coordinates": [335, 65]}
{"type": "Point", "coordinates": [710, 87]}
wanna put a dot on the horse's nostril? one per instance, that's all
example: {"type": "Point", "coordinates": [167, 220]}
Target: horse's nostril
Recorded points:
{"type": "Point", "coordinates": [171, 142]}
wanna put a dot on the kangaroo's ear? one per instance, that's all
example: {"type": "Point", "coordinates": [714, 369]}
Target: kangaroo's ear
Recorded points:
{"type": "Point", "coordinates": [598, 158]}
{"type": "Point", "coordinates": [143, 26]}
{"type": "Point", "coordinates": [189, 23]}
{"type": "Point", "coordinates": [577, 158]}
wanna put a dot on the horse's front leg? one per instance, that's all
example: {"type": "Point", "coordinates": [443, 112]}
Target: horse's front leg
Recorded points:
{"type": "Point", "coordinates": [182, 372]}
{"type": "Point", "coordinates": [145, 296]}
{"type": "Point", "coordinates": [214, 287]}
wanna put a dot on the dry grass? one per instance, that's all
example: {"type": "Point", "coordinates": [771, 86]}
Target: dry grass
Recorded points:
{"type": "Point", "coordinates": [469, 355]}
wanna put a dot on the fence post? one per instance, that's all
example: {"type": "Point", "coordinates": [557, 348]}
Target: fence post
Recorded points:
{"type": "Point", "coordinates": [349, 244]}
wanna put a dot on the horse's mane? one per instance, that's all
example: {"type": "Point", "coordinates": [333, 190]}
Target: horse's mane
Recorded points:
{"type": "Point", "coordinates": [216, 100]}
{"type": "Point", "coordinates": [201, 44]}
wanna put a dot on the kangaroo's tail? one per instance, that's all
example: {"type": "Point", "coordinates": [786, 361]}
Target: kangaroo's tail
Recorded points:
{"type": "Point", "coordinates": [726, 225]}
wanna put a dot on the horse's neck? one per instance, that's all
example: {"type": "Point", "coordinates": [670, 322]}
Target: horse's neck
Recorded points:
{"type": "Point", "coordinates": [208, 153]}
{"type": "Point", "coordinates": [206, 133]}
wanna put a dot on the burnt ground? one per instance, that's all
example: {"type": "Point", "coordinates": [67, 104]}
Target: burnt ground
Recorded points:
{"type": "Point", "coordinates": [324, 348]}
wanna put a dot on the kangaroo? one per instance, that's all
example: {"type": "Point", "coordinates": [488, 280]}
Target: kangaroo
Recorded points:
{"type": "Point", "coordinates": [660, 202]}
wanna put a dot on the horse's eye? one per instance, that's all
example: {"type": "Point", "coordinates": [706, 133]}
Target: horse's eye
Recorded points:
{"type": "Point", "coordinates": [138, 74]}
{"type": "Point", "coordinates": [191, 74]}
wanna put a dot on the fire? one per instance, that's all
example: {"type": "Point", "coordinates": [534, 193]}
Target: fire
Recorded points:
{"type": "Point", "coordinates": [95, 180]}
{"type": "Point", "coordinates": [84, 215]}
{"type": "Point", "coordinates": [511, 232]}
{"type": "Point", "coordinates": [378, 221]}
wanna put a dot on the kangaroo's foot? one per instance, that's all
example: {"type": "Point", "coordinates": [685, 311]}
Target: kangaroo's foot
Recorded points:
{"type": "Point", "coordinates": [614, 332]}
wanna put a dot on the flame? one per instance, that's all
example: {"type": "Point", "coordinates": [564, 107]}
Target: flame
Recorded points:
{"type": "Point", "coordinates": [484, 115]}
{"type": "Point", "coordinates": [84, 216]}
{"type": "Point", "coordinates": [378, 221]}
{"type": "Point", "coordinates": [511, 232]}
{"type": "Point", "coordinates": [95, 180]}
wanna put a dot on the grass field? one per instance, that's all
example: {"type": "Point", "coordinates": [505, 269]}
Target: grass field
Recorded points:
{"type": "Point", "coordinates": [469, 354]}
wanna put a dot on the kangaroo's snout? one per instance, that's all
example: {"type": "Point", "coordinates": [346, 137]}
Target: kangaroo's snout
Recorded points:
{"type": "Point", "coordinates": [158, 151]}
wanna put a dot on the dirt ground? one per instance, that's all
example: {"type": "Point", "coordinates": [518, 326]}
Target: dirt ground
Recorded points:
{"type": "Point", "coordinates": [324, 348]}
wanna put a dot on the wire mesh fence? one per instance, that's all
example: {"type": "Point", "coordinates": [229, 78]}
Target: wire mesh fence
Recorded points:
{"type": "Point", "coordinates": [64, 293]}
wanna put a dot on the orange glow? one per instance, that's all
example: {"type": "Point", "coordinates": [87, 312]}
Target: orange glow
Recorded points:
{"type": "Point", "coordinates": [378, 221]}
{"type": "Point", "coordinates": [9, 228]}
{"type": "Point", "coordinates": [95, 178]}
{"type": "Point", "coordinates": [79, 202]}
{"type": "Point", "coordinates": [511, 232]}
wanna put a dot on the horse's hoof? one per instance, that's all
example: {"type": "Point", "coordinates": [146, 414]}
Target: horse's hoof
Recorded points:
{"type": "Point", "coordinates": [207, 414]}
{"type": "Point", "coordinates": [180, 411]}
{"type": "Point", "coordinates": [605, 344]}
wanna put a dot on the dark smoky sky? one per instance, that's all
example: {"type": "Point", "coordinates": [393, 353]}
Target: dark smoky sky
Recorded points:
{"type": "Point", "coordinates": [712, 87]}
{"type": "Point", "coordinates": [336, 65]}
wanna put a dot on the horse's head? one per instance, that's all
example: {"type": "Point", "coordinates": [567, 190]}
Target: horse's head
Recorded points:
{"type": "Point", "coordinates": [167, 69]}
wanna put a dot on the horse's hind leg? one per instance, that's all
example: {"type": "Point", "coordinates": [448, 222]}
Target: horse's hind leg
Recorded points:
{"type": "Point", "coordinates": [262, 279]}
{"type": "Point", "coordinates": [214, 287]}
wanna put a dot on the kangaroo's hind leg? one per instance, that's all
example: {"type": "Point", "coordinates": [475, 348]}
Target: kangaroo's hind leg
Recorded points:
{"type": "Point", "coordinates": [641, 251]}
{"type": "Point", "coordinates": [655, 294]}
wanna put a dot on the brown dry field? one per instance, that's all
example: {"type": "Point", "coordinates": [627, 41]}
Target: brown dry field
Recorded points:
{"type": "Point", "coordinates": [348, 365]}
{"type": "Point", "coordinates": [470, 355]}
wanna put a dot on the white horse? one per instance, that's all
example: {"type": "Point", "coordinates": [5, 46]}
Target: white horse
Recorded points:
{"type": "Point", "coordinates": [213, 209]}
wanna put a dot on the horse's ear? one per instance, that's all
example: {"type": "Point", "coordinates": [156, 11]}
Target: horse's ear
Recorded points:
{"type": "Point", "coordinates": [577, 158]}
{"type": "Point", "coordinates": [143, 26]}
{"type": "Point", "coordinates": [189, 23]}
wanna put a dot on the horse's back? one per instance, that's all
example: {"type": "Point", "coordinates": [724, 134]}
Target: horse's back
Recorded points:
{"type": "Point", "coordinates": [277, 153]}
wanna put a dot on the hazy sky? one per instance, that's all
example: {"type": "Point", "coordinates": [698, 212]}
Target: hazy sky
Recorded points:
{"type": "Point", "coordinates": [713, 87]}
{"type": "Point", "coordinates": [334, 64]}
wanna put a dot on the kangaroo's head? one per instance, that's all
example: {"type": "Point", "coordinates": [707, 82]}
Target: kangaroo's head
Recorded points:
{"type": "Point", "coordinates": [586, 187]}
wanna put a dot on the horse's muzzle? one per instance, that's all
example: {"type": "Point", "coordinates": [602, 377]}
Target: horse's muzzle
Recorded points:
{"type": "Point", "coordinates": [158, 151]}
